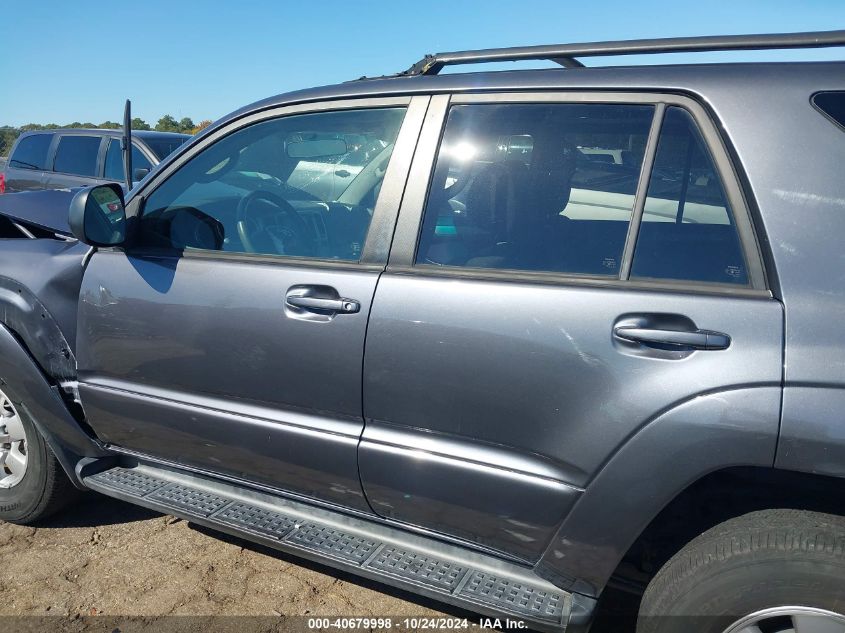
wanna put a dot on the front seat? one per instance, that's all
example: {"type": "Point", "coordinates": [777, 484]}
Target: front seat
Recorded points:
{"type": "Point", "coordinates": [537, 230]}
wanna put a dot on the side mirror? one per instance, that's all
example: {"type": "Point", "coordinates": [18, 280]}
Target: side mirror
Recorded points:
{"type": "Point", "coordinates": [191, 228]}
{"type": "Point", "coordinates": [97, 215]}
{"type": "Point", "coordinates": [139, 173]}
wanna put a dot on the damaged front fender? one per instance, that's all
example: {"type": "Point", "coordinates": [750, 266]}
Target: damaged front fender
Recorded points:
{"type": "Point", "coordinates": [39, 294]}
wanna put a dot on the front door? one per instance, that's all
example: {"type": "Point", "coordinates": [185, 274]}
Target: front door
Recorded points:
{"type": "Point", "coordinates": [582, 265]}
{"type": "Point", "coordinates": [229, 335]}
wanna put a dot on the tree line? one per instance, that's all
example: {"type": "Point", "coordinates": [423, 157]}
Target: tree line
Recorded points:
{"type": "Point", "coordinates": [167, 123]}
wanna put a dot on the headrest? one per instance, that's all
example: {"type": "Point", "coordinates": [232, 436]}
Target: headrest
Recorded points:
{"type": "Point", "coordinates": [493, 194]}
{"type": "Point", "coordinates": [550, 183]}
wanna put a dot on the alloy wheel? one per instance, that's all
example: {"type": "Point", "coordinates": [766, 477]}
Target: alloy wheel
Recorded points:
{"type": "Point", "coordinates": [789, 620]}
{"type": "Point", "coordinates": [13, 447]}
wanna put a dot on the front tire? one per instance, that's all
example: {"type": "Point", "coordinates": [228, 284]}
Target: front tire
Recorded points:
{"type": "Point", "coordinates": [749, 572]}
{"type": "Point", "coordinates": [32, 483]}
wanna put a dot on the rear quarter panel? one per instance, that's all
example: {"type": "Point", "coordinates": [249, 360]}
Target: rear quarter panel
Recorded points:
{"type": "Point", "coordinates": [794, 158]}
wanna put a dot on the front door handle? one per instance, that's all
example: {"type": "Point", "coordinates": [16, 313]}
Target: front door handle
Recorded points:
{"type": "Point", "coordinates": [347, 306]}
{"type": "Point", "coordinates": [697, 339]}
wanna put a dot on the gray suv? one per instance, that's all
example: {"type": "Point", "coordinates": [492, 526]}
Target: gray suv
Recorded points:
{"type": "Point", "coordinates": [559, 332]}
{"type": "Point", "coordinates": [67, 158]}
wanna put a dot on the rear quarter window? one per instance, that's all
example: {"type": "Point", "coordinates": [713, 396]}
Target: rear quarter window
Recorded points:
{"type": "Point", "coordinates": [31, 152]}
{"type": "Point", "coordinates": [832, 105]}
{"type": "Point", "coordinates": [688, 230]}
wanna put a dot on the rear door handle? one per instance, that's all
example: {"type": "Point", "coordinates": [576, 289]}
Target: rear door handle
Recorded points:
{"type": "Point", "coordinates": [345, 306]}
{"type": "Point", "coordinates": [698, 339]}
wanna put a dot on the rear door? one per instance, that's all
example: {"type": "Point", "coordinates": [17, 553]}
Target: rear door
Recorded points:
{"type": "Point", "coordinates": [76, 162]}
{"type": "Point", "coordinates": [571, 267]}
{"type": "Point", "coordinates": [229, 336]}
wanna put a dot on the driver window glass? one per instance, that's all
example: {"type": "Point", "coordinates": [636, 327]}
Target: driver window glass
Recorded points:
{"type": "Point", "coordinates": [300, 186]}
{"type": "Point", "coordinates": [114, 161]}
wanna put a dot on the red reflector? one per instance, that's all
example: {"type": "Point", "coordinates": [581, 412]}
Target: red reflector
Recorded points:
{"type": "Point", "coordinates": [2, 183]}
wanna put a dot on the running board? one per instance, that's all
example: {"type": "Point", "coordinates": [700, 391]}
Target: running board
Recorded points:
{"type": "Point", "coordinates": [422, 565]}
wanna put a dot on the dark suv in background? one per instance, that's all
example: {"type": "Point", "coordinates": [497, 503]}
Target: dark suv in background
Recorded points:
{"type": "Point", "coordinates": [68, 158]}
{"type": "Point", "coordinates": [538, 334]}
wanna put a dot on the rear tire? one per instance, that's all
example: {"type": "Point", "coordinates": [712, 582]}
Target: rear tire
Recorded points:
{"type": "Point", "coordinates": [41, 488]}
{"type": "Point", "coordinates": [750, 564]}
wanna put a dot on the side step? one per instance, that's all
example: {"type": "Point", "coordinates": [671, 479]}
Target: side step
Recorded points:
{"type": "Point", "coordinates": [422, 565]}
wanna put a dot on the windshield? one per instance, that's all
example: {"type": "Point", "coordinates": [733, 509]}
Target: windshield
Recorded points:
{"type": "Point", "coordinates": [164, 146]}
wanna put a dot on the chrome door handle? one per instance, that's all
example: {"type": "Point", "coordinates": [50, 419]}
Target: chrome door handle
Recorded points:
{"type": "Point", "coordinates": [698, 339]}
{"type": "Point", "coordinates": [346, 306]}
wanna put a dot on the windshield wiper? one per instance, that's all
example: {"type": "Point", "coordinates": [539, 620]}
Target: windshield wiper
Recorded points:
{"type": "Point", "coordinates": [25, 165]}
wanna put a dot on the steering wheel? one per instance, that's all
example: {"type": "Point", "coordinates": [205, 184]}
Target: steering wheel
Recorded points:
{"type": "Point", "coordinates": [281, 229]}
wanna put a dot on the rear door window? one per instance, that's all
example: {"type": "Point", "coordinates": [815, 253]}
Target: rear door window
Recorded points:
{"type": "Point", "coordinates": [77, 155]}
{"type": "Point", "coordinates": [536, 187]}
{"type": "Point", "coordinates": [31, 152]}
{"type": "Point", "coordinates": [688, 230]}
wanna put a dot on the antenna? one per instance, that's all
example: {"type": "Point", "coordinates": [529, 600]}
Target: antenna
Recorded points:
{"type": "Point", "coordinates": [126, 144]}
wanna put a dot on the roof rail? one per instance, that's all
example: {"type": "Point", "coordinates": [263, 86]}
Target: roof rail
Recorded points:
{"type": "Point", "coordinates": [566, 54]}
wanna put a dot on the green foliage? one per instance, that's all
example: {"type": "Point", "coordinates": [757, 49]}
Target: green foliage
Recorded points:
{"type": "Point", "coordinates": [7, 139]}
{"type": "Point", "coordinates": [109, 125]}
{"type": "Point", "coordinates": [167, 124]}
{"type": "Point", "coordinates": [140, 124]}
{"type": "Point", "coordinates": [186, 125]}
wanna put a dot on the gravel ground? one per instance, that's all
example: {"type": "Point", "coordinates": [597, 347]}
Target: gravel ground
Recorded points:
{"type": "Point", "coordinates": [106, 565]}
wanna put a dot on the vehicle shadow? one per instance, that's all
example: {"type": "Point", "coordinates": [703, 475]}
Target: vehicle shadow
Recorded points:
{"type": "Point", "coordinates": [93, 510]}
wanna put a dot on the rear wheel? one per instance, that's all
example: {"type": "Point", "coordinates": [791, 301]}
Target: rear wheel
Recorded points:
{"type": "Point", "coordinates": [789, 620]}
{"type": "Point", "coordinates": [774, 571]}
{"type": "Point", "coordinates": [32, 482]}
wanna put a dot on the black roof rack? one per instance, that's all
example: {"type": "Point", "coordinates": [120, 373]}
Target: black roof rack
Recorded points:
{"type": "Point", "coordinates": [566, 54]}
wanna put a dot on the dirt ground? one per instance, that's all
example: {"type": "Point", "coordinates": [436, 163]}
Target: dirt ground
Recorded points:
{"type": "Point", "coordinates": [105, 557]}
{"type": "Point", "coordinates": [105, 565]}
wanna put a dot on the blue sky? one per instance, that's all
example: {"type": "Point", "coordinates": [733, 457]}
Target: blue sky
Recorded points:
{"type": "Point", "coordinates": [77, 61]}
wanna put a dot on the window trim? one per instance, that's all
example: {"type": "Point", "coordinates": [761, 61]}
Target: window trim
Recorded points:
{"type": "Point", "coordinates": [403, 254]}
{"type": "Point", "coordinates": [641, 194]}
{"type": "Point", "coordinates": [380, 232]}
